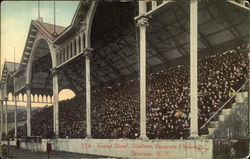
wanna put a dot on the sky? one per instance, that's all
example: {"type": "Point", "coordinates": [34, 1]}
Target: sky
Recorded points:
{"type": "Point", "coordinates": [16, 17]}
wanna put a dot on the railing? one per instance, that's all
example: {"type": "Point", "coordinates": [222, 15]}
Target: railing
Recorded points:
{"type": "Point", "coordinates": [224, 105]}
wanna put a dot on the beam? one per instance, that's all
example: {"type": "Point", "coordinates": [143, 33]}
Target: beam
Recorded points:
{"type": "Point", "coordinates": [180, 48]}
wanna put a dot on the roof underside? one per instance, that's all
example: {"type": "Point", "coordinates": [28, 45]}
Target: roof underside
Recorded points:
{"type": "Point", "coordinates": [221, 25]}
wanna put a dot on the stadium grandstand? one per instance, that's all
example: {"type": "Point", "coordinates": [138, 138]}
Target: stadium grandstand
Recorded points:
{"type": "Point", "coordinates": [152, 79]}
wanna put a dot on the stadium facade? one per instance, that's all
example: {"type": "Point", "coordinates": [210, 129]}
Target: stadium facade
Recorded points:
{"type": "Point", "coordinates": [108, 42]}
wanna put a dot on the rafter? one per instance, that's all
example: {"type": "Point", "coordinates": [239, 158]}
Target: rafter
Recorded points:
{"type": "Point", "coordinates": [118, 73]}
{"type": "Point", "coordinates": [203, 37]}
{"type": "Point", "coordinates": [158, 53]}
{"type": "Point", "coordinates": [180, 48]}
{"type": "Point", "coordinates": [70, 80]}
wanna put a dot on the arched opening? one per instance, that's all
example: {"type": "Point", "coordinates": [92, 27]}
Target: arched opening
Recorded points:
{"type": "Point", "coordinates": [20, 97]}
{"type": "Point", "coordinates": [10, 96]}
{"type": "Point", "coordinates": [25, 97]}
{"type": "Point", "coordinates": [66, 94]}
{"type": "Point", "coordinates": [42, 84]}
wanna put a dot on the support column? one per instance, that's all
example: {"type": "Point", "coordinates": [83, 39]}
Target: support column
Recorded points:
{"type": "Point", "coordinates": [249, 97]}
{"type": "Point", "coordinates": [55, 102]}
{"type": "Point", "coordinates": [6, 117]}
{"type": "Point", "coordinates": [193, 68]}
{"type": "Point", "coordinates": [1, 118]}
{"type": "Point", "coordinates": [87, 54]}
{"type": "Point", "coordinates": [15, 115]}
{"type": "Point", "coordinates": [142, 23]}
{"type": "Point", "coordinates": [28, 92]}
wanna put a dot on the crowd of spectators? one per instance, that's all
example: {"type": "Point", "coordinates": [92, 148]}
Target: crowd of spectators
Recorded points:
{"type": "Point", "coordinates": [115, 109]}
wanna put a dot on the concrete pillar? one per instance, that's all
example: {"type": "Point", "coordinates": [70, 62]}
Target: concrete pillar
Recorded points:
{"type": "Point", "coordinates": [6, 117]}
{"type": "Point", "coordinates": [15, 116]}
{"type": "Point", "coordinates": [193, 68]}
{"type": "Point", "coordinates": [88, 91]}
{"type": "Point", "coordinates": [28, 92]}
{"type": "Point", "coordinates": [55, 102]}
{"type": "Point", "coordinates": [1, 117]}
{"type": "Point", "coordinates": [142, 23]}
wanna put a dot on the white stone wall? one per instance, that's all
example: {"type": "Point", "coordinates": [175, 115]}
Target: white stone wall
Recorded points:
{"type": "Point", "coordinates": [171, 149]}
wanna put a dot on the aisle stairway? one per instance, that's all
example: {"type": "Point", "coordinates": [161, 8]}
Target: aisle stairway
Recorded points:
{"type": "Point", "coordinates": [231, 122]}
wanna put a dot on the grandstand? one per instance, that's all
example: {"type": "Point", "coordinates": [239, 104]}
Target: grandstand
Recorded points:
{"type": "Point", "coordinates": [153, 79]}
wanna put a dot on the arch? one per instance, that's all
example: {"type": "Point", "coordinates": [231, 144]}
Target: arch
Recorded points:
{"type": "Point", "coordinates": [48, 99]}
{"type": "Point", "coordinates": [44, 98]}
{"type": "Point", "coordinates": [52, 53]}
{"type": "Point", "coordinates": [25, 97]}
{"type": "Point", "coordinates": [35, 98]}
{"type": "Point", "coordinates": [10, 96]}
{"type": "Point", "coordinates": [40, 98]}
{"type": "Point", "coordinates": [66, 94]}
{"type": "Point", "coordinates": [20, 97]}
{"type": "Point", "coordinates": [32, 97]}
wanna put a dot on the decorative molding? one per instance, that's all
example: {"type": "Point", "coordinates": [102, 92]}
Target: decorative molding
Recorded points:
{"type": "Point", "coordinates": [88, 52]}
{"type": "Point", "coordinates": [28, 86]}
{"type": "Point", "coordinates": [54, 71]}
{"type": "Point", "coordinates": [142, 22]}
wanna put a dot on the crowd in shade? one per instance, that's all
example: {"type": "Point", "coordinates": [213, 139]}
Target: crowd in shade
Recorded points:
{"type": "Point", "coordinates": [115, 109]}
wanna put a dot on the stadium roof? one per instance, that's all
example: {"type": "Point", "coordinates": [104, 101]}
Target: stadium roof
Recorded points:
{"type": "Point", "coordinates": [222, 25]}
{"type": "Point", "coordinates": [8, 68]}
